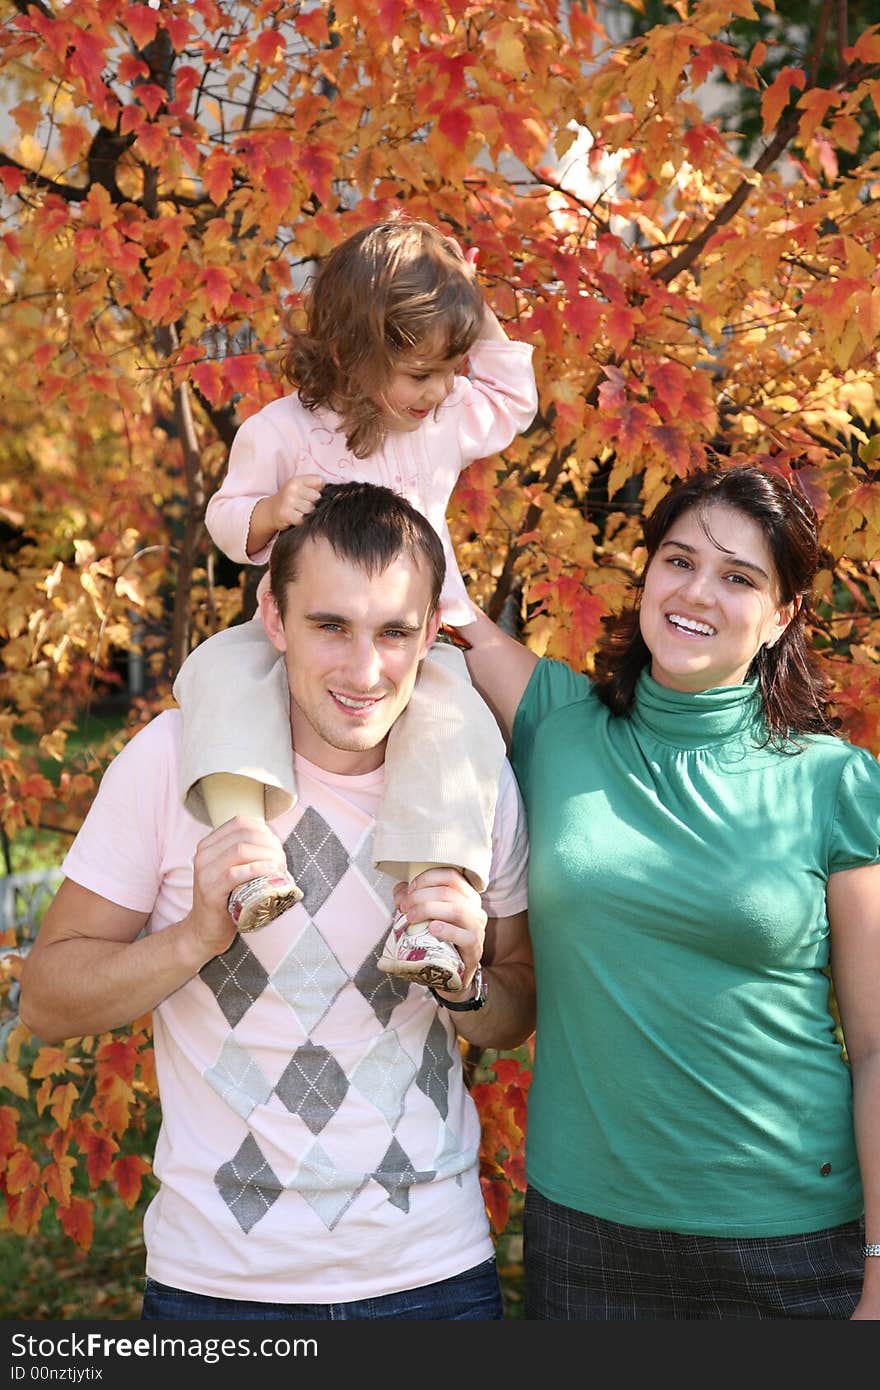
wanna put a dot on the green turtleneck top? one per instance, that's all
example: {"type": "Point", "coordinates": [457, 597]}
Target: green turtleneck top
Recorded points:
{"type": "Point", "coordinates": [687, 1074]}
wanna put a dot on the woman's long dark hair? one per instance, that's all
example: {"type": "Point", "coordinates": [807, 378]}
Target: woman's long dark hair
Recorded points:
{"type": "Point", "coordinates": [795, 694]}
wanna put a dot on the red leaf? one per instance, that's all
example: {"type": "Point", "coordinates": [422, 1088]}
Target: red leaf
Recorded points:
{"type": "Point", "coordinates": [76, 1221]}
{"type": "Point", "coordinates": [8, 1132]}
{"type": "Point", "coordinates": [497, 1201]}
{"type": "Point", "coordinates": [141, 22]}
{"type": "Point", "coordinates": [99, 1151]}
{"type": "Point", "coordinates": [217, 174]}
{"type": "Point", "coordinates": [269, 47]}
{"type": "Point", "coordinates": [128, 1174]}
{"type": "Point", "coordinates": [218, 287]}
{"type": "Point", "coordinates": [455, 124]}
{"type": "Point", "coordinates": [12, 178]}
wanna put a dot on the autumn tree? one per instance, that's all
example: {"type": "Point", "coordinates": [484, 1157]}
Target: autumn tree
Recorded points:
{"type": "Point", "coordinates": [171, 173]}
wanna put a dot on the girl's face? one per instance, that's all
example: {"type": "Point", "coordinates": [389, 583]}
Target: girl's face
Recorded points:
{"type": "Point", "coordinates": [421, 380]}
{"type": "Point", "coordinates": [710, 601]}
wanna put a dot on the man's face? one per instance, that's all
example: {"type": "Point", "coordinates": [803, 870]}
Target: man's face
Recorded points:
{"type": "Point", "coordinates": [352, 645]}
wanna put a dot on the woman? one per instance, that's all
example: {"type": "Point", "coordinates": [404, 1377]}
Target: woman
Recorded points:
{"type": "Point", "coordinates": [701, 844]}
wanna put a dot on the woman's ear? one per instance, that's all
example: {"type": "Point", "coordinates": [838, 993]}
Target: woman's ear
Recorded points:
{"type": "Point", "coordinates": [786, 613]}
{"type": "Point", "coordinates": [272, 621]}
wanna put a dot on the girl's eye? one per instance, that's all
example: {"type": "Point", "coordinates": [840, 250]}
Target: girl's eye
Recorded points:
{"type": "Point", "coordinates": [741, 579]}
{"type": "Point", "coordinates": [679, 561]}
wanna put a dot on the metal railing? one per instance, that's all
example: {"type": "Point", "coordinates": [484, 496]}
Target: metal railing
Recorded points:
{"type": "Point", "coordinates": [24, 898]}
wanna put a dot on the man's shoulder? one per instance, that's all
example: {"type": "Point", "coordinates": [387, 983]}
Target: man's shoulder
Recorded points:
{"type": "Point", "coordinates": [156, 743]}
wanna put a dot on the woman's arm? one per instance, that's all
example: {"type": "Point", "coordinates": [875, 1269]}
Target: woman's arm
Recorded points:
{"type": "Point", "coordinates": [854, 915]}
{"type": "Point", "coordinates": [499, 666]}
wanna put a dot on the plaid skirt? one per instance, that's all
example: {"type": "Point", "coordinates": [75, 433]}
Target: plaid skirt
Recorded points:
{"type": "Point", "coordinates": [581, 1268]}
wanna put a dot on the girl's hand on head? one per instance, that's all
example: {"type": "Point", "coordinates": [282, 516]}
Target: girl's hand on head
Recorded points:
{"type": "Point", "coordinates": [296, 499]}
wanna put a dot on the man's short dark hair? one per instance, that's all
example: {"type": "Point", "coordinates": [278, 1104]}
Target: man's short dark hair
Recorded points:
{"type": "Point", "coordinates": [367, 525]}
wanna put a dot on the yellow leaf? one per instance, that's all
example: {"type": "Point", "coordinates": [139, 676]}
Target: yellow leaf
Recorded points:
{"type": "Point", "coordinates": [13, 1080]}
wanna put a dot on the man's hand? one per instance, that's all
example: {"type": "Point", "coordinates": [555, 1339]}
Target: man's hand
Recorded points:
{"type": "Point", "coordinates": [234, 853]}
{"type": "Point", "coordinates": [451, 909]}
{"type": "Point", "coordinates": [296, 499]}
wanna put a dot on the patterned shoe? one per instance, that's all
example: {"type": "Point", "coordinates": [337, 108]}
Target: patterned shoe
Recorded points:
{"type": "Point", "coordinates": [259, 902]}
{"type": "Point", "coordinates": [420, 957]}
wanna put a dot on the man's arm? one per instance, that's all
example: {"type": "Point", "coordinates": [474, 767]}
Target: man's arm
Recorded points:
{"type": "Point", "coordinates": [507, 1017]}
{"type": "Point", "coordinates": [444, 899]}
{"type": "Point", "coordinates": [89, 970]}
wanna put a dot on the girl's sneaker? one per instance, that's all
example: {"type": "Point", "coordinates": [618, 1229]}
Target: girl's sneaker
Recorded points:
{"type": "Point", "coordinates": [259, 902]}
{"type": "Point", "coordinates": [421, 957]}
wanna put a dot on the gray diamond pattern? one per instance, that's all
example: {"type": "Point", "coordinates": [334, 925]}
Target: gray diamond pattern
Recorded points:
{"type": "Point", "coordinates": [384, 1076]}
{"type": "Point", "coordinates": [309, 978]}
{"type": "Point", "coordinates": [397, 1175]}
{"type": "Point", "coordinates": [316, 857]}
{"type": "Point", "coordinates": [433, 1077]}
{"type": "Point", "coordinates": [236, 979]}
{"type": "Point", "coordinates": [236, 1077]}
{"type": "Point", "coordinates": [382, 992]}
{"type": "Point", "coordinates": [313, 1086]}
{"type": "Point", "coordinates": [248, 1185]}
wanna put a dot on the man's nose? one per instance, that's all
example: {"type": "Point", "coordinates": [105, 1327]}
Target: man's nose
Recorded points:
{"type": "Point", "coordinates": [363, 666]}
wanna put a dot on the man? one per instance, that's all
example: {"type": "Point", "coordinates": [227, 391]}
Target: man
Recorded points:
{"type": "Point", "coordinates": [318, 1150]}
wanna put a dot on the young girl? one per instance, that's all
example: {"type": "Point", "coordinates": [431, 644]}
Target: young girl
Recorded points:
{"type": "Point", "coordinates": [381, 396]}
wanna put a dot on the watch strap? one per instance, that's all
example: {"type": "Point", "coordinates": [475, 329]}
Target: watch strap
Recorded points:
{"type": "Point", "coordinates": [480, 989]}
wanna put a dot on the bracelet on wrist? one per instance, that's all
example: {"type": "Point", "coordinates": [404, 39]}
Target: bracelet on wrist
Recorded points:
{"type": "Point", "coordinates": [871, 1251]}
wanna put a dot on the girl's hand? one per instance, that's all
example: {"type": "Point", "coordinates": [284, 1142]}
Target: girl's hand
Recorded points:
{"type": "Point", "coordinates": [296, 499]}
{"type": "Point", "coordinates": [469, 257]}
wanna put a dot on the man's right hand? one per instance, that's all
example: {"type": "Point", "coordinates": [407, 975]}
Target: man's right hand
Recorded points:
{"type": "Point", "coordinates": [234, 853]}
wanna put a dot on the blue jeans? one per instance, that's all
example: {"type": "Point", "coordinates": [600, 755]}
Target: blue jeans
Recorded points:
{"type": "Point", "coordinates": [475, 1294]}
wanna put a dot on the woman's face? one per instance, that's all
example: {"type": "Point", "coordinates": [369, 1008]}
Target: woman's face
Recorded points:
{"type": "Point", "coordinates": [710, 601]}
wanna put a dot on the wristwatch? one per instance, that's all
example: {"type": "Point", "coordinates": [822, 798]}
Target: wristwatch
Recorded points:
{"type": "Point", "coordinates": [481, 990]}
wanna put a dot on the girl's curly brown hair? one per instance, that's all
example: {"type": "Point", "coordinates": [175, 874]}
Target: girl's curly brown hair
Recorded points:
{"type": "Point", "coordinates": [385, 290]}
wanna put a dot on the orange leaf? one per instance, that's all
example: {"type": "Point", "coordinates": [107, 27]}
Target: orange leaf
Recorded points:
{"type": "Point", "coordinates": [14, 1080]}
{"type": "Point", "coordinates": [48, 1061]}
{"type": "Point", "coordinates": [25, 1210]}
{"type": "Point", "coordinates": [22, 1170]}
{"type": "Point", "coordinates": [8, 1132]}
{"type": "Point", "coordinates": [128, 1174]}
{"type": "Point", "coordinates": [776, 97]}
{"type": "Point", "coordinates": [63, 1100]}
{"type": "Point", "coordinates": [58, 1179]}
{"type": "Point", "coordinates": [218, 287]}
{"type": "Point", "coordinates": [76, 1221]}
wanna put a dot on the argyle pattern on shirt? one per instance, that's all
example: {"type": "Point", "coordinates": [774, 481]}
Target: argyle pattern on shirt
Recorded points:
{"type": "Point", "coordinates": [352, 1053]}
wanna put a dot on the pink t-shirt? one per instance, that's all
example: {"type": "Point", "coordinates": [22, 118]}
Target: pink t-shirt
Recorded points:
{"type": "Point", "coordinates": [318, 1143]}
{"type": "Point", "coordinates": [480, 416]}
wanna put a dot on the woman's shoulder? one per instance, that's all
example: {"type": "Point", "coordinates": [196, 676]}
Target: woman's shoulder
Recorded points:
{"type": "Point", "coordinates": [553, 686]}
